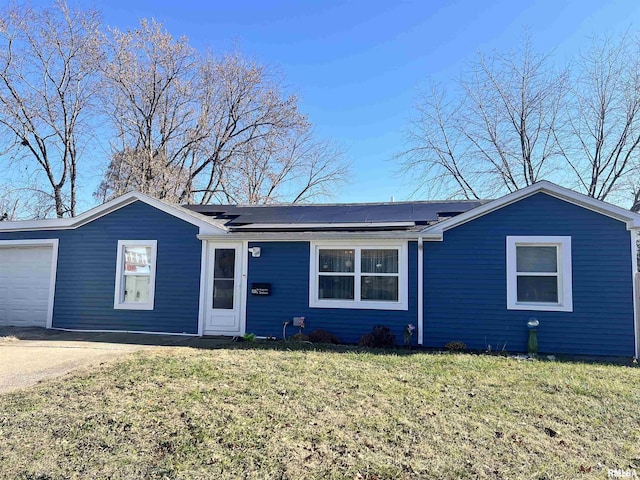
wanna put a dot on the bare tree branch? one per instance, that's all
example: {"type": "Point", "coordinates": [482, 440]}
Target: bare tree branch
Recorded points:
{"type": "Point", "coordinates": [604, 113]}
{"type": "Point", "coordinates": [201, 129]}
{"type": "Point", "coordinates": [48, 65]}
{"type": "Point", "coordinates": [496, 134]}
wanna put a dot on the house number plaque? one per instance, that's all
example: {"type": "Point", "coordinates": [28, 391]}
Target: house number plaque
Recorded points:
{"type": "Point", "coordinates": [260, 289]}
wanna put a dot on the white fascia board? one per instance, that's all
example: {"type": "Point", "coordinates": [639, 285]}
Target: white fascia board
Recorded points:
{"type": "Point", "coordinates": [630, 218]}
{"type": "Point", "coordinates": [30, 225]}
{"type": "Point", "coordinates": [206, 226]}
{"type": "Point", "coordinates": [310, 236]}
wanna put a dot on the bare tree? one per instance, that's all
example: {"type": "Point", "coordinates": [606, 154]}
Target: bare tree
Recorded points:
{"type": "Point", "coordinates": [9, 204]}
{"type": "Point", "coordinates": [48, 60]}
{"type": "Point", "coordinates": [294, 169]}
{"type": "Point", "coordinates": [149, 93]}
{"type": "Point", "coordinates": [26, 202]}
{"type": "Point", "coordinates": [497, 133]}
{"type": "Point", "coordinates": [320, 172]}
{"type": "Point", "coordinates": [440, 160]}
{"type": "Point", "coordinates": [603, 113]}
{"type": "Point", "coordinates": [198, 128]}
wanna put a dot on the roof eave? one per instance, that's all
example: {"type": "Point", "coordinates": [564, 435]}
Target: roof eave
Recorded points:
{"type": "Point", "coordinates": [307, 236]}
{"type": "Point", "coordinates": [206, 225]}
{"type": "Point", "coordinates": [630, 218]}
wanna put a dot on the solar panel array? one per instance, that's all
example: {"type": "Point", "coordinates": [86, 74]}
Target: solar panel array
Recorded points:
{"type": "Point", "coordinates": [418, 212]}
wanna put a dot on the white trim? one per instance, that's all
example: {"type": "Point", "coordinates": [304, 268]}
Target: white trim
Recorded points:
{"type": "Point", "coordinates": [126, 331]}
{"type": "Point", "coordinates": [634, 283]}
{"type": "Point", "coordinates": [319, 235]}
{"type": "Point", "coordinates": [31, 242]}
{"type": "Point", "coordinates": [204, 262]}
{"type": "Point", "coordinates": [206, 225]}
{"type": "Point", "coordinates": [420, 292]}
{"type": "Point", "coordinates": [564, 273]}
{"type": "Point", "coordinates": [52, 282]}
{"type": "Point", "coordinates": [356, 304]}
{"type": "Point", "coordinates": [630, 218]}
{"type": "Point", "coordinates": [299, 226]}
{"type": "Point", "coordinates": [118, 302]}
{"type": "Point", "coordinates": [238, 303]}
{"type": "Point", "coordinates": [244, 289]}
{"type": "Point", "coordinates": [45, 242]}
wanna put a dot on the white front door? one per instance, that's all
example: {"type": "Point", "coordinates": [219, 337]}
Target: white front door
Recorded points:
{"type": "Point", "coordinates": [224, 289]}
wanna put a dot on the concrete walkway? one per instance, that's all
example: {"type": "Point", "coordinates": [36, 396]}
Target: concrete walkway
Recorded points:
{"type": "Point", "coordinates": [30, 355]}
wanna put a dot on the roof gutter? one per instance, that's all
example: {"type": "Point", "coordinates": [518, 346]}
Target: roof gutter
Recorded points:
{"type": "Point", "coordinates": [308, 236]}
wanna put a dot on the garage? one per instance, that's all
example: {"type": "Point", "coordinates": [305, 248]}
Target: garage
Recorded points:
{"type": "Point", "coordinates": [27, 282]}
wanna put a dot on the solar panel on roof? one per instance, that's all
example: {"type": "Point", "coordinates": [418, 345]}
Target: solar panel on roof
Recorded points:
{"type": "Point", "coordinates": [419, 212]}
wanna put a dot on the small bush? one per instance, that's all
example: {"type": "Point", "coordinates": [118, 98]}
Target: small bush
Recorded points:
{"type": "Point", "coordinates": [299, 337]}
{"type": "Point", "coordinates": [380, 337]}
{"type": "Point", "coordinates": [456, 346]}
{"type": "Point", "coordinates": [322, 336]}
{"type": "Point", "coordinates": [247, 337]}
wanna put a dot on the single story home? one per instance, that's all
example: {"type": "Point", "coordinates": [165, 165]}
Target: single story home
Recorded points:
{"type": "Point", "coordinates": [468, 271]}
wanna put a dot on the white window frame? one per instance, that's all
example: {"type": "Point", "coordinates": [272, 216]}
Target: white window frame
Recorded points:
{"type": "Point", "coordinates": [564, 273]}
{"type": "Point", "coordinates": [118, 298]}
{"type": "Point", "coordinates": [357, 303]}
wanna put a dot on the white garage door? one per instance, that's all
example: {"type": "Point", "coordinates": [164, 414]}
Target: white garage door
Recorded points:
{"type": "Point", "coordinates": [25, 279]}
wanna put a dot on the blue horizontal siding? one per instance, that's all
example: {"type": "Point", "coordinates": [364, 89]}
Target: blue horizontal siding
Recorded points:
{"type": "Point", "coordinates": [285, 265]}
{"type": "Point", "coordinates": [465, 282]}
{"type": "Point", "coordinates": [464, 276]}
{"type": "Point", "coordinates": [85, 283]}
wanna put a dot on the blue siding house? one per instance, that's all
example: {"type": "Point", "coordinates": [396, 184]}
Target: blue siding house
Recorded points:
{"type": "Point", "coordinates": [469, 271]}
{"type": "Point", "coordinates": [465, 277]}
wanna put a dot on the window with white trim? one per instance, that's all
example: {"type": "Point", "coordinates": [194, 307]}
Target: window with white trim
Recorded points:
{"type": "Point", "coordinates": [364, 276]}
{"type": "Point", "coordinates": [539, 273]}
{"type": "Point", "coordinates": [135, 275]}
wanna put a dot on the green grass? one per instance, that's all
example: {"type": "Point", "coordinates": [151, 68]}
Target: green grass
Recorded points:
{"type": "Point", "coordinates": [255, 412]}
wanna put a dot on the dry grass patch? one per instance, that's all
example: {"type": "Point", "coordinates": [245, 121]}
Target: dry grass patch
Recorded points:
{"type": "Point", "coordinates": [270, 413]}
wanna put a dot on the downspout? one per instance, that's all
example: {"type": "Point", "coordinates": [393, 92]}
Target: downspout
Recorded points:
{"type": "Point", "coordinates": [634, 283]}
{"type": "Point", "coordinates": [202, 304]}
{"type": "Point", "coordinates": [420, 293]}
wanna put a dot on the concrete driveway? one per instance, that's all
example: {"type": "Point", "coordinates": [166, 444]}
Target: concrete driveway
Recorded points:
{"type": "Point", "coordinates": [30, 355]}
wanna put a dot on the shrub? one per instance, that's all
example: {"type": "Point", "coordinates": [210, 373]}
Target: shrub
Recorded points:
{"type": "Point", "coordinates": [299, 337]}
{"type": "Point", "coordinates": [322, 336]}
{"type": "Point", "coordinates": [456, 346]}
{"type": "Point", "coordinates": [380, 337]}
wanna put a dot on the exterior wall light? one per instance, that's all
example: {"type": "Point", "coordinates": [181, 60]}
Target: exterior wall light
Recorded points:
{"type": "Point", "coordinates": [255, 251]}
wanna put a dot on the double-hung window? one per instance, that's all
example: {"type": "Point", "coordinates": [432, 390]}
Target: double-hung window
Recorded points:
{"type": "Point", "coordinates": [539, 274]}
{"type": "Point", "coordinates": [366, 276]}
{"type": "Point", "coordinates": [135, 275]}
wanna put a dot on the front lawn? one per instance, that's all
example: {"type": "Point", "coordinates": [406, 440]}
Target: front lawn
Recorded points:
{"type": "Point", "coordinates": [256, 412]}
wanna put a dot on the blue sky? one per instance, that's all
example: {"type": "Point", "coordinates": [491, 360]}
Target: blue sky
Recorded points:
{"type": "Point", "coordinates": [359, 66]}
